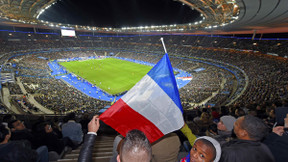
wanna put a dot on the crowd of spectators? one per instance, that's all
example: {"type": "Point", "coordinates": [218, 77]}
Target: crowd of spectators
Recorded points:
{"type": "Point", "coordinates": [264, 102]}
{"type": "Point", "coordinates": [262, 134]}
{"type": "Point", "coordinates": [267, 75]}
{"type": "Point", "coordinates": [42, 138]}
{"type": "Point", "coordinates": [14, 88]}
{"type": "Point", "coordinates": [57, 96]}
{"type": "Point", "coordinates": [203, 124]}
{"type": "Point", "coordinates": [22, 104]}
{"type": "Point", "coordinates": [3, 109]}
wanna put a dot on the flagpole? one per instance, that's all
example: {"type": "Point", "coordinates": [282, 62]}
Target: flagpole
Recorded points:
{"type": "Point", "coordinates": [163, 44]}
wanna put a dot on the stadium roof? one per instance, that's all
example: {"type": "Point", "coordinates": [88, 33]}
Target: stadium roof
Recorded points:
{"type": "Point", "coordinates": [219, 17]}
{"type": "Point", "coordinates": [261, 15]}
{"type": "Point", "coordinates": [24, 10]}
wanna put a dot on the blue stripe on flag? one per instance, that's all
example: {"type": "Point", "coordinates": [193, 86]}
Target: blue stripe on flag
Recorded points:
{"type": "Point", "coordinates": [162, 74]}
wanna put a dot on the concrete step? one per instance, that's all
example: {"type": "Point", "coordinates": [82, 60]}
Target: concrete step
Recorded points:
{"type": "Point", "coordinates": [98, 146]}
{"type": "Point", "coordinates": [95, 154]}
{"type": "Point", "coordinates": [102, 151]}
{"type": "Point", "coordinates": [97, 149]}
{"type": "Point", "coordinates": [95, 159]}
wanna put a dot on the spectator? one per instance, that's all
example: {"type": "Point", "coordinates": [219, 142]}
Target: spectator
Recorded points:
{"type": "Point", "coordinates": [7, 118]}
{"type": "Point", "coordinates": [189, 135]}
{"type": "Point", "coordinates": [164, 149]}
{"type": "Point", "coordinates": [72, 130]}
{"type": "Point", "coordinates": [231, 111]}
{"type": "Point", "coordinates": [215, 114]}
{"type": "Point", "coordinates": [204, 122]}
{"type": "Point", "coordinates": [224, 111]}
{"type": "Point", "coordinates": [277, 141]}
{"type": "Point", "coordinates": [239, 112]}
{"type": "Point", "coordinates": [280, 113]}
{"type": "Point", "coordinates": [56, 126]}
{"type": "Point", "coordinates": [84, 122]}
{"type": "Point", "coordinates": [87, 148]}
{"type": "Point", "coordinates": [260, 112]}
{"type": "Point", "coordinates": [225, 127]}
{"type": "Point", "coordinates": [198, 114]}
{"type": "Point", "coordinates": [205, 149]}
{"type": "Point", "coordinates": [46, 136]}
{"type": "Point", "coordinates": [250, 131]}
{"type": "Point", "coordinates": [116, 147]}
{"type": "Point", "coordinates": [270, 120]}
{"type": "Point", "coordinates": [19, 150]}
{"type": "Point", "coordinates": [212, 130]}
{"type": "Point", "coordinates": [20, 132]}
{"type": "Point", "coordinates": [135, 148]}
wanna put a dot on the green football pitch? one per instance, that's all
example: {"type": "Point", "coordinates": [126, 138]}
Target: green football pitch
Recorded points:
{"type": "Point", "coordinates": [111, 75]}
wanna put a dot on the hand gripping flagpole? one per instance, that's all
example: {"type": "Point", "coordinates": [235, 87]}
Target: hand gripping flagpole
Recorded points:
{"type": "Point", "coordinates": [163, 44]}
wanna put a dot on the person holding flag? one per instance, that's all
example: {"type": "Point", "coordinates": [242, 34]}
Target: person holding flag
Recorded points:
{"type": "Point", "coordinates": [152, 106]}
{"type": "Point", "coordinates": [135, 147]}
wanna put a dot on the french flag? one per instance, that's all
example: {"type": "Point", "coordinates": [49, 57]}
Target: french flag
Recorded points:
{"type": "Point", "coordinates": [152, 105]}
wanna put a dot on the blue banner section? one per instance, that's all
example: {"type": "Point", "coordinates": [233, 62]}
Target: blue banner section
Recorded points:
{"type": "Point", "coordinates": [43, 58]}
{"type": "Point", "coordinates": [56, 68]}
{"type": "Point", "coordinates": [33, 76]}
{"type": "Point", "coordinates": [86, 87]}
{"type": "Point", "coordinates": [199, 69]}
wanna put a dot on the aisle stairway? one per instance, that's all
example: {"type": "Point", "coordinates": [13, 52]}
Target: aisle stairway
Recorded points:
{"type": "Point", "coordinates": [102, 151]}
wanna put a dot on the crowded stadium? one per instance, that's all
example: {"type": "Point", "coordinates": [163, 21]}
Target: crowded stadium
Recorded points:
{"type": "Point", "coordinates": [211, 87]}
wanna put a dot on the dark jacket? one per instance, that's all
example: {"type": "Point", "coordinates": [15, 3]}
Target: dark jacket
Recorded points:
{"type": "Point", "coordinates": [87, 148]}
{"type": "Point", "coordinates": [245, 151]}
{"type": "Point", "coordinates": [278, 145]}
{"type": "Point", "coordinates": [23, 135]}
{"type": "Point", "coordinates": [223, 137]}
{"type": "Point", "coordinates": [17, 151]}
{"type": "Point", "coordinates": [52, 142]}
{"type": "Point", "coordinates": [280, 113]}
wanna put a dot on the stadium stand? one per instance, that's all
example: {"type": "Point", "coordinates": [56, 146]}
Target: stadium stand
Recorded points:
{"type": "Point", "coordinates": [231, 75]}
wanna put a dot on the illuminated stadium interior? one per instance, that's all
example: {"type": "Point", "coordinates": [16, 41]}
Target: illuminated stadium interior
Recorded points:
{"type": "Point", "coordinates": [189, 50]}
{"type": "Point", "coordinates": [231, 82]}
{"type": "Point", "coordinates": [231, 55]}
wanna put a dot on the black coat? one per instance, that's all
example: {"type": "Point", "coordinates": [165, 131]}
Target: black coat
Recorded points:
{"type": "Point", "coordinates": [52, 142]}
{"type": "Point", "coordinates": [17, 151]}
{"type": "Point", "coordinates": [278, 146]}
{"type": "Point", "coordinates": [24, 135]}
{"type": "Point", "coordinates": [245, 151]}
{"type": "Point", "coordinates": [87, 148]}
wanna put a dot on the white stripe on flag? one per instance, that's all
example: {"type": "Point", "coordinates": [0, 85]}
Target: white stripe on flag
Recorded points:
{"type": "Point", "coordinates": [148, 99]}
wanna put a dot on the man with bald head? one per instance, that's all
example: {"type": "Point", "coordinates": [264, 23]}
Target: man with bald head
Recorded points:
{"type": "Point", "coordinates": [135, 148]}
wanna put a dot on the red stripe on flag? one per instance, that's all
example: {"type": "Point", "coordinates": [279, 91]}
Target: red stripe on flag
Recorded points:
{"type": "Point", "coordinates": [123, 118]}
